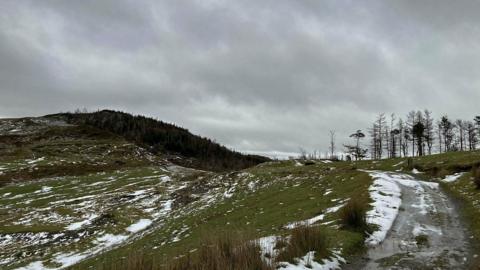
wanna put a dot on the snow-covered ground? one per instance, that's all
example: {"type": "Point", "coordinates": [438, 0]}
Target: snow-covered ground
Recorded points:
{"type": "Point", "coordinates": [453, 177]}
{"type": "Point", "coordinates": [427, 214]}
{"type": "Point", "coordinates": [317, 218]}
{"type": "Point", "coordinates": [307, 262]}
{"type": "Point", "coordinates": [85, 211]}
{"type": "Point", "coordinates": [386, 195]}
{"type": "Point", "coordinates": [268, 251]}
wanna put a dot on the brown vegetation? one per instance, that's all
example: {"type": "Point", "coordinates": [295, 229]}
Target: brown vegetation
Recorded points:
{"type": "Point", "coordinates": [353, 216]}
{"type": "Point", "coordinates": [303, 240]}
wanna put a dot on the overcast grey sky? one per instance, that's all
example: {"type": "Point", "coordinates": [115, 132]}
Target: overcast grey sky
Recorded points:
{"type": "Point", "coordinates": [263, 75]}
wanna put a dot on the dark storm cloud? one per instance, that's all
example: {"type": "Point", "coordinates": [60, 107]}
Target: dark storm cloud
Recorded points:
{"type": "Point", "coordinates": [255, 75]}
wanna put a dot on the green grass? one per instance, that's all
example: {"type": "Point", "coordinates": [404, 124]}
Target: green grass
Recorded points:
{"type": "Point", "coordinates": [282, 193]}
{"type": "Point", "coordinates": [287, 194]}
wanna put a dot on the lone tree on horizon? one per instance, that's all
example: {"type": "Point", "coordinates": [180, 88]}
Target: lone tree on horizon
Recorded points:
{"type": "Point", "coordinates": [356, 150]}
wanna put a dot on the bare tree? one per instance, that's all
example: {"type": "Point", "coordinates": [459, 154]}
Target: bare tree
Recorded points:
{"type": "Point", "coordinates": [332, 144]}
{"type": "Point", "coordinates": [461, 134]}
{"type": "Point", "coordinates": [471, 135]}
{"type": "Point", "coordinates": [379, 130]}
{"type": "Point", "coordinates": [429, 130]}
{"type": "Point", "coordinates": [402, 142]}
{"type": "Point", "coordinates": [447, 133]}
{"type": "Point", "coordinates": [439, 133]}
{"type": "Point", "coordinates": [410, 123]}
{"type": "Point", "coordinates": [303, 153]}
{"type": "Point", "coordinates": [476, 121]}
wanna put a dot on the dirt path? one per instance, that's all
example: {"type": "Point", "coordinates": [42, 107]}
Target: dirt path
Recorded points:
{"type": "Point", "coordinates": [427, 233]}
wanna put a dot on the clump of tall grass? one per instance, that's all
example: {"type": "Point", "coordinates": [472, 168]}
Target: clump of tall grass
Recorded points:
{"type": "Point", "coordinates": [223, 252]}
{"type": "Point", "coordinates": [304, 239]}
{"type": "Point", "coordinates": [353, 216]}
{"type": "Point", "coordinates": [226, 252]}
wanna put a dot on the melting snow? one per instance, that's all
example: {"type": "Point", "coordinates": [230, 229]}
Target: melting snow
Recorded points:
{"type": "Point", "coordinates": [386, 193]}
{"type": "Point", "coordinates": [398, 164]}
{"type": "Point", "coordinates": [453, 177]}
{"type": "Point", "coordinates": [267, 245]}
{"type": "Point", "coordinates": [415, 171]}
{"type": "Point", "coordinates": [386, 201]}
{"type": "Point", "coordinates": [140, 225]}
{"type": "Point", "coordinates": [307, 263]}
{"type": "Point", "coordinates": [165, 178]}
{"type": "Point", "coordinates": [80, 224]}
{"type": "Point", "coordinates": [44, 189]}
{"type": "Point", "coordinates": [33, 161]}
{"type": "Point", "coordinates": [111, 239]}
{"type": "Point", "coordinates": [316, 218]}
{"type": "Point", "coordinates": [420, 229]}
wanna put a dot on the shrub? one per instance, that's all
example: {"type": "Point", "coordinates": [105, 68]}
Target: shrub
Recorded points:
{"type": "Point", "coordinates": [410, 165]}
{"type": "Point", "coordinates": [303, 240]}
{"type": "Point", "coordinates": [353, 216]}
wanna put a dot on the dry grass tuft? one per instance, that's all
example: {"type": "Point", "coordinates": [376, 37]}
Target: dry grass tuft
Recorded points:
{"type": "Point", "coordinates": [225, 252]}
{"type": "Point", "coordinates": [303, 240]}
{"type": "Point", "coordinates": [353, 216]}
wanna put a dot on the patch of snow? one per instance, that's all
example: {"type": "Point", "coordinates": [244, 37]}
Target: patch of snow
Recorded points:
{"type": "Point", "coordinates": [420, 229]}
{"type": "Point", "coordinates": [415, 171]}
{"type": "Point", "coordinates": [140, 225]}
{"type": "Point", "coordinates": [33, 161]}
{"type": "Point", "coordinates": [307, 262]}
{"type": "Point", "coordinates": [67, 260]}
{"type": "Point", "coordinates": [398, 164]}
{"type": "Point", "coordinates": [307, 222]}
{"type": "Point", "coordinates": [33, 266]}
{"type": "Point", "coordinates": [229, 193]}
{"type": "Point", "coordinates": [315, 219]}
{"type": "Point", "coordinates": [109, 240]}
{"type": "Point", "coordinates": [336, 208]}
{"type": "Point", "coordinates": [267, 247]}
{"type": "Point", "coordinates": [80, 224]}
{"type": "Point", "coordinates": [453, 177]}
{"type": "Point", "coordinates": [138, 192]}
{"type": "Point", "coordinates": [252, 185]}
{"type": "Point", "coordinates": [165, 178]}
{"type": "Point", "coordinates": [44, 189]}
{"type": "Point", "coordinates": [385, 194]}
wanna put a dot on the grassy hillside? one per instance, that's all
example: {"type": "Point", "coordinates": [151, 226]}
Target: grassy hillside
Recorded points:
{"type": "Point", "coordinates": [166, 139]}
{"type": "Point", "coordinates": [261, 202]}
{"type": "Point", "coordinates": [34, 148]}
{"type": "Point", "coordinates": [100, 202]}
{"type": "Point", "coordinates": [288, 191]}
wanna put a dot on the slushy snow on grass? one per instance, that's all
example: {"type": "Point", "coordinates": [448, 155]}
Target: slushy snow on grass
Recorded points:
{"type": "Point", "coordinates": [307, 263]}
{"type": "Point", "coordinates": [140, 225]}
{"type": "Point", "coordinates": [453, 177]}
{"type": "Point", "coordinates": [385, 194]}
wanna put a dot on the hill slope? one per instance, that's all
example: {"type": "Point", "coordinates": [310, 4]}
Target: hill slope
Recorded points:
{"type": "Point", "coordinates": [167, 139]}
{"type": "Point", "coordinates": [101, 202]}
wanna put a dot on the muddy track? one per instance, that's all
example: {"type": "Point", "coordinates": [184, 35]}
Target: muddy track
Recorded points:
{"type": "Point", "coordinates": [427, 234]}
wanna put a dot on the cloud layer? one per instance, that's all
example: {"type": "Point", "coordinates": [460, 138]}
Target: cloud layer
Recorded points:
{"type": "Point", "coordinates": [255, 75]}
